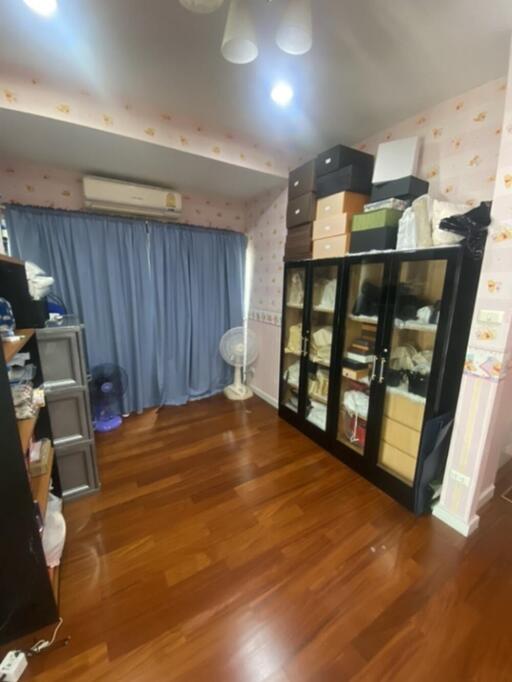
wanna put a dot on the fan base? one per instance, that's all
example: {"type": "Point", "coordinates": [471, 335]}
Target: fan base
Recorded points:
{"type": "Point", "coordinates": [240, 392]}
{"type": "Point", "coordinates": [104, 425]}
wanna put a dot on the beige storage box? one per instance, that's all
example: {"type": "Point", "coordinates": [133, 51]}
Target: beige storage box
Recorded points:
{"type": "Point", "coordinates": [404, 410]}
{"type": "Point", "coordinates": [401, 437]}
{"type": "Point", "coordinates": [343, 202]}
{"type": "Point", "coordinates": [332, 227]}
{"type": "Point", "coordinates": [397, 461]}
{"type": "Point", "coordinates": [332, 247]}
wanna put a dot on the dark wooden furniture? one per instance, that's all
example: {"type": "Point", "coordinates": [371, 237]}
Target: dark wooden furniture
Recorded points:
{"type": "Point", "coordinates": [389, 423]}
{"type": "Point", "coordinates": [28, 593]}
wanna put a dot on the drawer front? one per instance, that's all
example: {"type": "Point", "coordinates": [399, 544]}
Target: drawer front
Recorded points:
{"type": "Point", "coordinates": [401, 436]}
{"type": "Point", "coordinates": [77, 469]}
{"type": "Point", "coordinates": [69, 416]}
{"type": "Point", "coordinates": [302, 180]}
{"type": "Point", "coordinates": [301, 210]}
{"type": "Point", "coordinates": [340, 156]}
{"type": "Point", "coordinates": [397, 461]}
{"type": "Point", "coordinates": [331, 227]}
{"type": "Point", "coordinates": [404, 410]}
{"type": "Point", "coordinates": [333, 247]}
{"type": "Point", "coordinates": [61, 359]}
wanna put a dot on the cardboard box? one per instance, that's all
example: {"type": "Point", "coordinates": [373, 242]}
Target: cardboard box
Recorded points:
{"type": "Point", "coordinates": [332, 247]}
{"type": "Point", "coordinates": [298, 245]}
{"type": "Point", "coordinates": [340, 156]}
{"type": "Point", "coordinates": [332, 227]}
{"type": "Point", "coordinates": [408, 189]}
{"type": "Point", "coordinates": [385, 217]}
{"type": "Point", "coordinates": [347, 179]}
{"type": "Point", "coordinates": [301, 180]}
{"type": "Point", "coordinates": [301, 211]}
{"type": "Point", "coordinates": [401, 436]}
{"type": "Point", "coordinates": [381, 239]}
{"type": "Point", "coordinates": [339, 204]}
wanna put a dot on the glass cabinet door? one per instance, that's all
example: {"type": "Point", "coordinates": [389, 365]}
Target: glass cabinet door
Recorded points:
{"type": "Point", "coordinates": [405, 366]}
{"type": "Point", "coordinates": [358, 359]}
{"type": "Point", "coordinates": [319, 342]}
{"type": "Point", "coordinates": [293, 340]}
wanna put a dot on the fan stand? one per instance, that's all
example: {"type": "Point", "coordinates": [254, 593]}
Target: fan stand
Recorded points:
{"type": "Point", "coordinates": [238, 390]}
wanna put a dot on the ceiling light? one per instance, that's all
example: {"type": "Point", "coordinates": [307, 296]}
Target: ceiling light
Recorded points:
{"type": "Point", "coordinates": [239, 42]}
{"type": "Point", "coordinates": [43, 7]}
{"type": "Point", "coordinates": [201, 6]}
{"type": "Point", "coordinates": [294, 34]}
{"type": "Point", "coordinates": [282, 93]}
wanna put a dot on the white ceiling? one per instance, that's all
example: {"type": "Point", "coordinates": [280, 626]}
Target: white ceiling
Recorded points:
{"type": "Point", "coordinates": [64, 145]}
{"type": "Point", "coordinates": [373, 62]}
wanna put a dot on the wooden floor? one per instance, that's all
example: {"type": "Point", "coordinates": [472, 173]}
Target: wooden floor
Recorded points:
{"type": "Point", "coordinates": [226, 546]}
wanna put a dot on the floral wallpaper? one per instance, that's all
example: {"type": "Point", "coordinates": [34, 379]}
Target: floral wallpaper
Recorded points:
{"type": "Point", "coordinates": [58, 188]}
{"type": "Point", "coordinates": [32, 95]}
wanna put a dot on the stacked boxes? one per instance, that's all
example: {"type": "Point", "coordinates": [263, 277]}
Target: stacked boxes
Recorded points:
{"type": "Point", "coordinates": [301, 212]}
{"type": "Point", "coordinates": [343, 169]}
{"type": "Point", "coordinates": [332, 227]}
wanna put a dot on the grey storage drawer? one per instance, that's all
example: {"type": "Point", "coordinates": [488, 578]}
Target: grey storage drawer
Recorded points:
{"type": "Point", "coordinates": [61, 358]}
{"type": "Point", "coordinates": [69, 416]}
{"type": "Point", "coordinates": [77, 469]}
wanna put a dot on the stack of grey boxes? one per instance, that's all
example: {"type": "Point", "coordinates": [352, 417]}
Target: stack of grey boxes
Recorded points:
{"type": "Point", "coordinates": [65, 382]}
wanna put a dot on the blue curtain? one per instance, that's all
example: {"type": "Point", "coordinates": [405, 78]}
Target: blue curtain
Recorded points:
{"type": "Point", "coordinates": [155, 298]}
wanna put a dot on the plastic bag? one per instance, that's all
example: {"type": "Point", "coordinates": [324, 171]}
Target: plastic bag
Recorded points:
{"type": "Point", "coordinates": [415, 225]}
{"type": "Point", "coordinates": [471, 226]}
{"type": "Point", "coordinates": [440, 211]}
{"type": "Point", "coordinates": [406, 238]}
{"type": "Point", "coordinates": [39, 283]}
{"type": "Point", "coordinates": [54, 533]}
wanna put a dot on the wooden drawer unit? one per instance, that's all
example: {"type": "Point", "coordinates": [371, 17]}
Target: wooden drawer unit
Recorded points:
{"type": "Point", "coordinates": [301, 180]}
{"type": "Point", "coordinates": [340, 203]}
{"type": "Point", "coordinates": [332, 247]}
{"type": "Point", "coordinates": [332, 227]}
{"type": "Point", "coordinates": [404, 410]}
{"type": "Point", "coordinates": [301, 210]}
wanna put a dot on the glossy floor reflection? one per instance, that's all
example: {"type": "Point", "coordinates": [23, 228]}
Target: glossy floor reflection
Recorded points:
{"type": "Point", "coordinates": [226, 546]}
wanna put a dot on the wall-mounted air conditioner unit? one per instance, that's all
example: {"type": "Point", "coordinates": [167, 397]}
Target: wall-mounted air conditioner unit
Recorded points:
{"type": "Point", "coordinates": [114, 196]}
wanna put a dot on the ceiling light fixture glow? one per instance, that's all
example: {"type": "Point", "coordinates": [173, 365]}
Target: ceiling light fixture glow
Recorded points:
{"type": "Point", "coordinates": [282, 93]}
{"type": "Point", "coordinates": [239, 44]}
{"type": "Point", "coordinates": [295, 32]}
{"type": "Point", "coordinates": [201, 6]}
{"type": "Point", "coordinates": [43, 7]}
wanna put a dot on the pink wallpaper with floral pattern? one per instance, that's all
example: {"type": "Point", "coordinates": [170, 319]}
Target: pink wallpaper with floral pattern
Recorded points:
{"type": "Point", "coordinates": [58, 188]}
{"type": "Point", "coordinates": [32, 95]}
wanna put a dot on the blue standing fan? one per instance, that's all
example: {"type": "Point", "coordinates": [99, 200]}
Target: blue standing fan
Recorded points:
{"type": "Point", "coordinates": [107, 386]}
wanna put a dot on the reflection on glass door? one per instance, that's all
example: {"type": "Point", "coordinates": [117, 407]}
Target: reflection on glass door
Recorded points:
{"type": "Point", "coordinates": [293, 337]}
{"type": "Point", "coordinates": [319, 343]}
{"type": "Point", "coordinates": [416, 314]}
{"type": "Point", "coordinates": [358, 354]}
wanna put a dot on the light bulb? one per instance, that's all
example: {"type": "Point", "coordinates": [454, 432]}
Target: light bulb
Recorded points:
{"type": "Point", "coordinates": [43, 7]}
{"type": "Point", "coordinates": [282, 93]}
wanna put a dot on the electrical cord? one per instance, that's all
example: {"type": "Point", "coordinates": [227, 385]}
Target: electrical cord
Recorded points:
{"type": "Point", "coordinates": [43, 644]}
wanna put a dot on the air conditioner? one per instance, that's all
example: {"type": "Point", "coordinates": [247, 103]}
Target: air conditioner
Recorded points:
{"type": "Point", "coordinates": [114, 196]}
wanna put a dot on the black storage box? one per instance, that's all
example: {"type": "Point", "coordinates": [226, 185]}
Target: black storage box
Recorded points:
{"type": "Point", "coordinates": [349, 179]}
{"type": "Point", "coordinates": [379, 239]}
{"type": "Point", "coordinates": [301, 180]}
{"type": "Point", "coordinates": [340, 156]}
{"type": "Point", "coordinates": [301, 210]}
{"type": "Point", "coordinates": [407, 189]}
{"type": "Point", "coordinates": [299, 245]}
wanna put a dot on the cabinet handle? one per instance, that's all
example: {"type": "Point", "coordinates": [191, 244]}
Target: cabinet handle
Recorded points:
{"type": "Point", "coordinates": [296, 183]}
{"type": "Point", "coordinates": [374, 365]}
{"type": "Point", "coordinates": [381, 373]}
{"type": "Point", "coordinates": [305, 345]}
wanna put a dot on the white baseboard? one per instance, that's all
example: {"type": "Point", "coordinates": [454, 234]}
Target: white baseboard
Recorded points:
{"type": "Point", "coordinates": [486, 495]}
{"type": "Point", "coordinates": [455, 522]}
{"type": "Point", "coordinates": [265, 396]}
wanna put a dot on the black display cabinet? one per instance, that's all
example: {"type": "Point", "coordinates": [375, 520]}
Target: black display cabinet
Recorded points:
{"type": "Point", "coordinates": [372, 355]}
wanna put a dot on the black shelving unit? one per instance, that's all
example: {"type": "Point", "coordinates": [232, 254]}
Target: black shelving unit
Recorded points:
{"type": "Point", "coordinates": [387, 427]}
{"type": "Point", "coordinates": [28, 590]}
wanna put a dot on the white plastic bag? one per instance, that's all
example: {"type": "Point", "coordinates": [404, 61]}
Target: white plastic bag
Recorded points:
{"type": "Point", "coordinates": [54, 533]}
{"type": "Point", "coordinates": [441, 210]}
{"type": "Point", "coordinates": [406, 238]}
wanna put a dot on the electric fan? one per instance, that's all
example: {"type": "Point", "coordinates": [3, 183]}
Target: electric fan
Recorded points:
{"type": "Point", "coordinates": [107, 386]}
{"type": "Point", "coordinates": [238, 348]}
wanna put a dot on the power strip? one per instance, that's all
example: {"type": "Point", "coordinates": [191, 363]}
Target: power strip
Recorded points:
{"type": "Point", "coordinates": [13, 666]}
